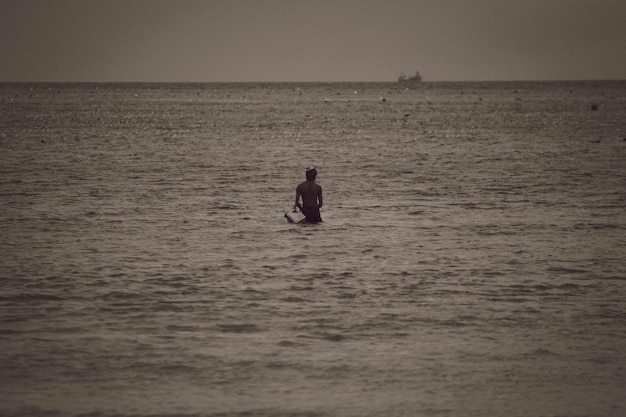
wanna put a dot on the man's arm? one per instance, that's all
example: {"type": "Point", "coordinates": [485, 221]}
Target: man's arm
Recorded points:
{"type": "Point", "coordinates": [319, 198]}
{"type": "Point", "coordinates": [298, 193]}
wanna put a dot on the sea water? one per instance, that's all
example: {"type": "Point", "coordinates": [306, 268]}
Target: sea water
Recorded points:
{"type": "Point", "coordinates": [471, 261]}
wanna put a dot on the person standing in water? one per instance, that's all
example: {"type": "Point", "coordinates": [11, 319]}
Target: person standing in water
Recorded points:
{"type": "Point", "coordinates": [311, 194]}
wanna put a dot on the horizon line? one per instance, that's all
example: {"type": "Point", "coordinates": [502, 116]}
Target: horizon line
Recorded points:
{"type": "Point", "coordinates": [305, 82]}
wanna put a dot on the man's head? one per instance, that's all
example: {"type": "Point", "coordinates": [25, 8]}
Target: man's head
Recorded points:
{"type": "Point", "coordinates": [311, 173]}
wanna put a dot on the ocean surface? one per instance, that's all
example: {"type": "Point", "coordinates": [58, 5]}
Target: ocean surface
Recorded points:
{"type": "Point", "coordinates": [471, 262]}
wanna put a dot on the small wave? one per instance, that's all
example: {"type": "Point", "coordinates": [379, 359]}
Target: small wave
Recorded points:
{"type": "Point", "coordinates": [616, 278]}
{"type": "Point", "coordinates": [541, 352]}
{"type": "Point", "coordinates": [257, 412]}
{"type": "Point", "coordinates": [332, 337]}
{"type": "Point", "coordinates": [288, 343]}
{"type": "Point", "coordinates": [604, 359]}
{"type": "Point", "coordinates": [226, 207]}
{"type": "Point", "coordinates": [239, 328]}
{"type": "Point", "coordinates": [568, 286]}
{"type": "Point", "coordinates": [6, 332]}
{"type": "Point", "coordinates": [119, 295]}
{"type": "Point", "coordinates": [564, 270]}
{"type": "Point", "coordinates": [293, 299]}
{"type": "Point", "coordinates": [31, 297]}
{"type": "Point", "coordinates": [509, 299]}
{"type": "Point", "coordinates": [21, 194]}
{"type": "Point", "coordinates": [297, 288]}
{"type": "Point", "coordinates": [454, 323]}
{"type": "Point", "coordinates": [598, 226]}
{"type": "Point", "coordinates": [346, 295]}
{"type": "Point", "coordinates": [613, 314]}
{"type": "Point", "coordinates": [181, 328]}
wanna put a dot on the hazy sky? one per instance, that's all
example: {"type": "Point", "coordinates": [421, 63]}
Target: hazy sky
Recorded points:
{"type": "Point", "coordinates": [311, 40]}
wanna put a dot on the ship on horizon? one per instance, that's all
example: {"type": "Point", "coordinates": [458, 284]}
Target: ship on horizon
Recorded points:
{"type": "Point", "coordinates": [413, 79]}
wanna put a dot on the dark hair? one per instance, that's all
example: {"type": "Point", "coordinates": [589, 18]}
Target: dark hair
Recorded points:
{"type": "Point", "coordinates": [311, 174]}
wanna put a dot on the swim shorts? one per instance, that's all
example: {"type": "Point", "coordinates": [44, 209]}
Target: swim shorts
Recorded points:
{"type": "Point", "coordinates": [312, 214]}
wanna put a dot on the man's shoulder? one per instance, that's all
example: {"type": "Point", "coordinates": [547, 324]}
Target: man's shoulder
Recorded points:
{"type": "Point", "coordinates": [308, 185]}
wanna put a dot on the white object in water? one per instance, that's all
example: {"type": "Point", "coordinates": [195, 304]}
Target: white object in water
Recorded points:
{"type": "Point", "coordinates": [295, 216]}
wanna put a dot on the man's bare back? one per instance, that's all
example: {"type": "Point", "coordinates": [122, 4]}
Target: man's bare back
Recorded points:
{"type": "Point", "coordinates": [311, 194]}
